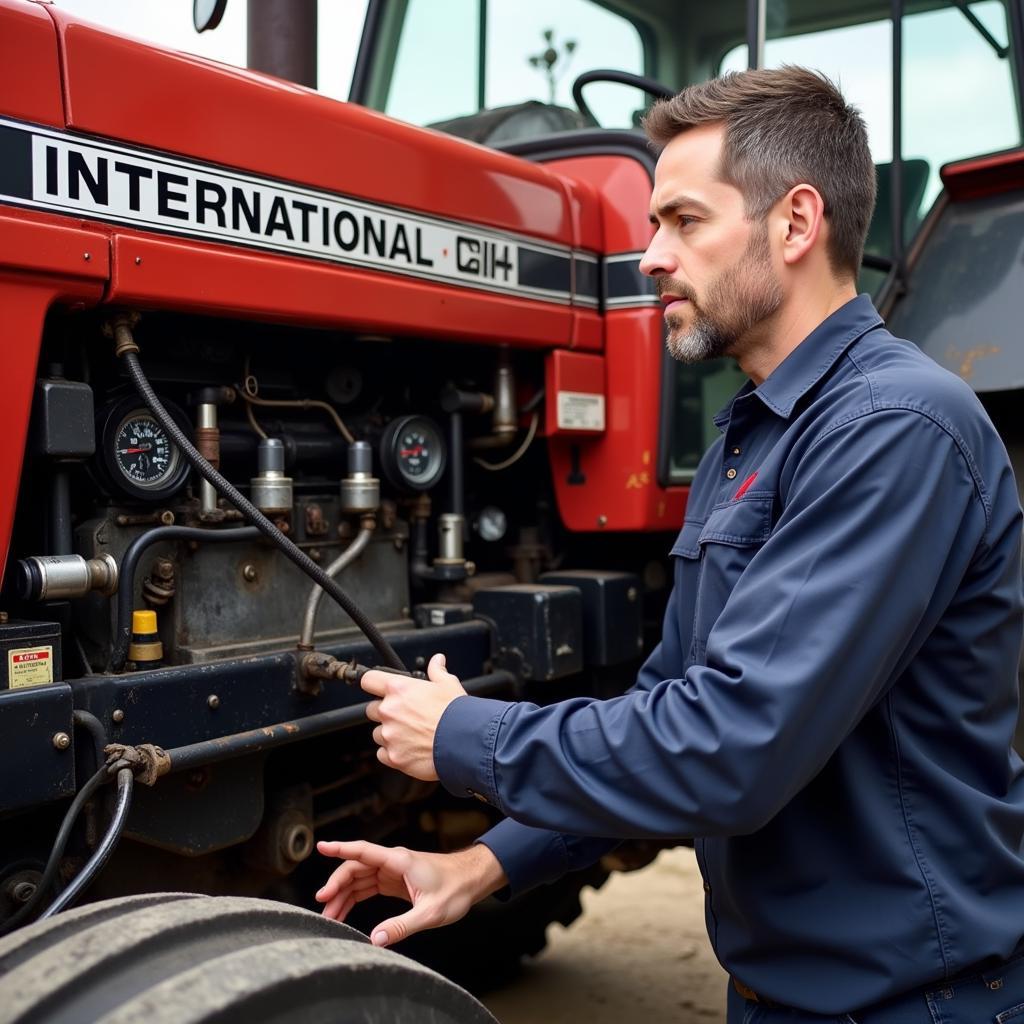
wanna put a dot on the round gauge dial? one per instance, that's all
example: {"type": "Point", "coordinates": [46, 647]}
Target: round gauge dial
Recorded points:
{"type": "Point", "coordinates": [143, 452]}
{"type": "Point", "coordinates": [413, 453]}
{"type": "Point", "coordinates": [136, 456]}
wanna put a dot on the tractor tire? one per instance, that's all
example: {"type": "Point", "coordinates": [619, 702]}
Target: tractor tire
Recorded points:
{"type": "Point", "coordinates": [178, 958]}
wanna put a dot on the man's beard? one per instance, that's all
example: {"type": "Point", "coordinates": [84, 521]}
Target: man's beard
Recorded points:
{"type": "Point", "coordinates": [739, 299]}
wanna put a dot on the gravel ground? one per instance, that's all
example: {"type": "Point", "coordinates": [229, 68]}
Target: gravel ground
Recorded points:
{"type": "Point", "coordinates": [639, 952]}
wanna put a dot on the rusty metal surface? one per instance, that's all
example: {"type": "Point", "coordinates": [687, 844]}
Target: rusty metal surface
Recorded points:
{"type": "Point", "coordinates": [964, 293]}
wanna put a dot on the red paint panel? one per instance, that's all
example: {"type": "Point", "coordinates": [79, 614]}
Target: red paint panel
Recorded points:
{"type": "Point", "coordinates": [24, 300]}
{"type": "Point", "coordinates": [984, 176]}
{"type": "Point", "coordinates": [194, 276]}
{"type": "Point", "coordinates": [29, 66]}
{"type": "Point", "coordinates": [625, 190]}
{"type": "Point", "coordinates": [128, 90]}
{"type": "Point", "coordinates": [42, 243]}
{"type": "Point", "coordinates": [620, 491]}
{"type": "Point", "coordinates": [588, 331]}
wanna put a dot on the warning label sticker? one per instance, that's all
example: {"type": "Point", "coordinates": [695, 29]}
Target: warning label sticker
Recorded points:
{"type": "Point", "coordinates": [29, 666]}
{"type": "Point", "coordinates": [579, 410]}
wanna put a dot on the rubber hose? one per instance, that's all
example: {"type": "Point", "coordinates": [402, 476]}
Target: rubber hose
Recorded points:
{"type": "Point", "coordinates": [53, 863]}
{"type": "Point", "coordinates": [130, 563]}
{"type": "Point", "coordinates": [125, 785]}
{"type": "Point", "coordinates": [248, 509]}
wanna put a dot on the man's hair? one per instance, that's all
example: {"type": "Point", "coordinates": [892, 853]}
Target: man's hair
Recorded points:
{"type": "Point", "coordinates": [784, 127]}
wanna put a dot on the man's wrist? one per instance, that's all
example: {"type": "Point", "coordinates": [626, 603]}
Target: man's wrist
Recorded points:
{"type": "Point", "coordinates": [484, 872]}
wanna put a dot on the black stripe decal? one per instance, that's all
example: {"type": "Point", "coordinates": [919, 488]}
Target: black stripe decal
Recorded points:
{"type": "Point", "coordinates": [15, 163]}
{"type": "Point", "coordinates": [624, 285]}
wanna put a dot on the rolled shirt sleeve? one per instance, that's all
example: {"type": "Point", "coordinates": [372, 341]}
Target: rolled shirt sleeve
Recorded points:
{"type": "Point", "coordinates": [881, 515]}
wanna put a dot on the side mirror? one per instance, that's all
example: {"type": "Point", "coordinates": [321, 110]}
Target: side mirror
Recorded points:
{"type": "Point", "coordinates": [206, 14]}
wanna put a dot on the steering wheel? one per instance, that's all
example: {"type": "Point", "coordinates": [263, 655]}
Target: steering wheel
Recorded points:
{"type": "Point", "coordinates": [648, 85]}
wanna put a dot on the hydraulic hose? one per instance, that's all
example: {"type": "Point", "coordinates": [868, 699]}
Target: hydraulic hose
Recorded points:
{"type": "Point", "coordinates": [125, 785]}
{"type": "Point", "coordinates": [130, 563]}
{"type": "Point", "coordinates": [128, 351]}
{"type": "Point", "coordinates": [53, 863]}
{"type": "Point", "coordinates": [345, 559]}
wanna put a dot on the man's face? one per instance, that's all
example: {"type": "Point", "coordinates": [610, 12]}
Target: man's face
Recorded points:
{"type": "Point", "coordinates": [712, 267]}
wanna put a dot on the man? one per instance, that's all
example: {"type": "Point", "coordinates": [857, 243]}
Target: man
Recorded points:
{"type": "Point", "coordinates": [831, 707]}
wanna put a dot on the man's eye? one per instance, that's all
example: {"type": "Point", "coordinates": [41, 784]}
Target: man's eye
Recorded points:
{"type": "Point", "coordinates": [685, 221]}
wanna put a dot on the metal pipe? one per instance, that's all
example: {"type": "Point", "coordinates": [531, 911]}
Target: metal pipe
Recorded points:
{"type": "Point", "coordinates": [206, 427]}
{"type": "Point", "coordinates": [345, 559]}
{"type": "Point", "coordinates": [269, 737]}
{"type": "Point", "coordinates": [756, 22]}
{"type": "Point", "coordinates": [896, 166]}
{"type": "Point", "coordinates": [281, 39]}
{"type": "Point", "coordinates": [456, 467]}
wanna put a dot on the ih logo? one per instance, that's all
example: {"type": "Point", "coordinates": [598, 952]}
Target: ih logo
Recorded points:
{"type": "Point", "coordinates": [745, 486]}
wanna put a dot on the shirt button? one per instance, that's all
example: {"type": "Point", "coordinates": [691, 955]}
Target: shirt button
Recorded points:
{"type": "Point", "coordinates": [730, 474]}
{"type": "Point", "coordinates": [736, 451]}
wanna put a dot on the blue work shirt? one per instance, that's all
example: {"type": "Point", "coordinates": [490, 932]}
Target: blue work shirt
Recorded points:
{"type": "Point", "coordinates": [831, 708]}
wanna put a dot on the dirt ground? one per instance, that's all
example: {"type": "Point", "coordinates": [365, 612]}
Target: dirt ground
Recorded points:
{"type": "Point", "coordinates": [639, 952]}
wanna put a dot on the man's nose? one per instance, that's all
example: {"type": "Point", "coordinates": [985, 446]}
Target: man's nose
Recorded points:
{"type": "Point", "coordinates": [657, 259]}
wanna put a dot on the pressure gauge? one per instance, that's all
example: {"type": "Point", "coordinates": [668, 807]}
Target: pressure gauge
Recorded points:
{"type": "Point", "coordinates": [138, 457]}
{"type": "Point", "coordinates": [412, 453]}
{"type": "Point", "coordinates": [491, 523]}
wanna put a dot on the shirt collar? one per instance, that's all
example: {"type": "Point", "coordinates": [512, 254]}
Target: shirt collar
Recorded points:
{"type": "Point", "coordinates": [811, 359]}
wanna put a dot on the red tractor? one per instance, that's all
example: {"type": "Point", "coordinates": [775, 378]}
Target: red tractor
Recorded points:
{"type": "Point", "coordinates": [248, 325]}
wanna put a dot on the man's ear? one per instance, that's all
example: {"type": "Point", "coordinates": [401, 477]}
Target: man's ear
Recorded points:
{"type": "Point", "coordinates": [802, 212]}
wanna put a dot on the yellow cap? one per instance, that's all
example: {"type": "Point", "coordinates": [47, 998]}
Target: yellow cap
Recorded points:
{"type": "Point", "coordinates": [144, 621]}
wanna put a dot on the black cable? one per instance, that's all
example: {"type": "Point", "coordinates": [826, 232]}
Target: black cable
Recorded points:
{"type": "Point", "coordinates": [53, 864]}
{"type": "Point", "coordinates": [246, 507]}
{"type": "Point", "coordinates": [125, 785]}
{"type": "Point", "coordinates": [129, 566]}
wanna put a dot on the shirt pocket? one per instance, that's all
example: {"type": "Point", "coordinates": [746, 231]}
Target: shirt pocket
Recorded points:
{"type": "Point", "coordinates": [728, 541]}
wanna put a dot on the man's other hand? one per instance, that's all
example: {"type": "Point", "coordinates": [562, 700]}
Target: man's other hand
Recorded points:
{"type": "Point", "coordinates": [408, 712]}
{"type": "Point", "coordinates": [440, 886]}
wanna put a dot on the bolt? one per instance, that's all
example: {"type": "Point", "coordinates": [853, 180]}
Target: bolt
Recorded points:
{"type": "Point", "coordinates": [250, 573]}
{"type": "Point", "coordinates": [420, 661]}
{"type": "Point", "coordinates": [86, 256]}
{"type": "Point", "coordinates": [3, 617]}
{"type": "Point", "coordinates": [167, 517]}
{"type": "Point", "coordinates": [23, 892]}
{"type": "Point", "coordinates": [213, 702]}
{"type": "Point", "coordinates": [61, 740]}
{"type": "Point", "coordinates": [164, 568]}
{"type": "Point", "coordinates": [631, 594]}
{"type": "Point", "coordinates": [399, 543]}
{"type": "Point", "coordinates": [138, 261]}
{"type": "Point", "coordinates": [316, 554]}
{"type": "Point", "coordinates": [405, 611]}
{"type": "Point", "coordinates": [117, 715]}
{"type": "Point", "coordinates": [602, 521]}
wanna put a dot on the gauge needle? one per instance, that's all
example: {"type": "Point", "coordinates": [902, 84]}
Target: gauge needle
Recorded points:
{"type": "Point", "coordinates": [134, 451]}
{"type": "Point", "coordinates": [418, 450]}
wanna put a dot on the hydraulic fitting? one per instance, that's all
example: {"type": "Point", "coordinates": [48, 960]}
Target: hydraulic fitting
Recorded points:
{"type": "Point", "coordinates": [450, 551]}
{"type": "Point", "coordinates": [506, 420]}
{"type": "Point", "coordinates": [270, 489]}
{"type": "Point", "coordinates": [208, 444]}
{"type": "Point", "coordinates": [360, 490]}
{"type": "Point", "coordinates": [145, 648]}
{"type": "Point", "coordinates": [58, 577]}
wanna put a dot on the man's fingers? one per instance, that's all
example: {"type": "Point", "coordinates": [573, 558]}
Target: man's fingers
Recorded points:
{"type": "Point", "coordinates": [378, 735]}
{"type": "Point", "coordinates": [372, 710]}
{"type": "Point", "coordinates": [377, 682]}
{"type": "Point", "coordinates": [437, 671]}
{"type": "Point", "coordinates": [395, 929]}
{"type": "Point", "coordinates": [350, 873]}
{"type": "Point", "coordinates": [382, 756]}
{"type": "Point", "coordinates": [368, 854]}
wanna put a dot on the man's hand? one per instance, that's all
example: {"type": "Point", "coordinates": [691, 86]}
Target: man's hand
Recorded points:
{"type": "Point", "coordinates": [408, 712]}
{"type": "Point", "coordinates": [441, 886]}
